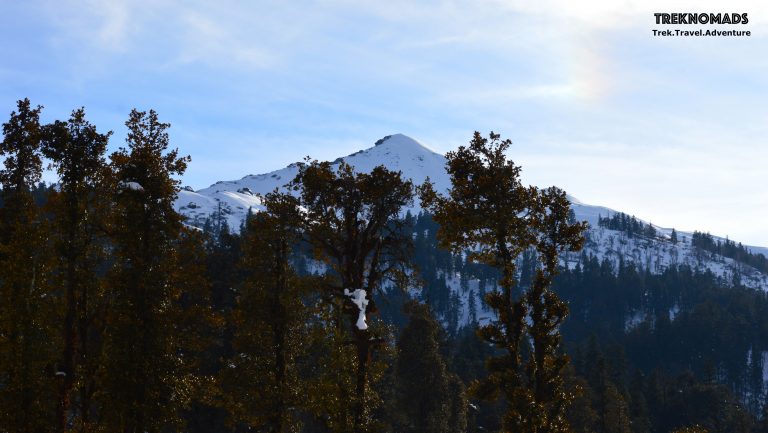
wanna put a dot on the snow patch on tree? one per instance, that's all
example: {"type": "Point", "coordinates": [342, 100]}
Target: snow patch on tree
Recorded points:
{"type": "Point", "coordinates": [358, 297]}
{"type": "Point", "coordinates": [135, 186]}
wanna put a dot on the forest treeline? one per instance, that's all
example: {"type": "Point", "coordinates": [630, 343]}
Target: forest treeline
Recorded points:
{"type": "Point", "coordinates": [116, 316]}
{"type": "Point", "coordinates": [730, 249]}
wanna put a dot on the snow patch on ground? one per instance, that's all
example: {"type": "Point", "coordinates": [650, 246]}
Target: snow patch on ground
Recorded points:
{"type": "Point", "coordinates": [656, 255]}
{"type": "Point", "coordinates": [633, 320]}
{"type": "Point", "coordinates": [674, 311]}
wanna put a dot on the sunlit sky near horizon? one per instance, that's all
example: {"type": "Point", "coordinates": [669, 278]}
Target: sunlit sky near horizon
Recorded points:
{"type": "Point", "coordinates": [672, 130]}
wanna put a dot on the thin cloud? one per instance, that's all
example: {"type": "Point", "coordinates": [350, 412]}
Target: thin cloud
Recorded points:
{"type": "Point", "coordinates": [592, 101]}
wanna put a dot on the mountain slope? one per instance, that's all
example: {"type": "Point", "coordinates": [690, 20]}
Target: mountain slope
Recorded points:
{"type": "Point", "coordinates": [233, 199]}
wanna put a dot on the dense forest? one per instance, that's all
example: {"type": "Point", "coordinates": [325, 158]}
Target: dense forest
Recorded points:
{"type": "Point", "coordinates": [328, 311]}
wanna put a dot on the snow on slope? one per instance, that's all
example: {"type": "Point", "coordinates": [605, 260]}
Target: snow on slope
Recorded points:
{"type": "Point", "coordinates": [658, 254]}
{"type": "Point", "coordinates": [396, 152]}
{"type": "Point", "coordinates": [399, 152]}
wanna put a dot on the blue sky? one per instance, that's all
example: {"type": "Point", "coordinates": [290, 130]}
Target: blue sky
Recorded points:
{"type": "Point", "coordinates": [672, 130]}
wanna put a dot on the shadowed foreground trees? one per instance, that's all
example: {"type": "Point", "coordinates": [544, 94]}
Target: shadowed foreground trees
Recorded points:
{"type": "Point", "coordinates": [431, 399]}
{"type": "Point", "coordinates": [111, 309]}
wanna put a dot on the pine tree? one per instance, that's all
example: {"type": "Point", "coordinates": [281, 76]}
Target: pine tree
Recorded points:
{"type": "Point", "coordinates": [615, 413]}
{"type": "Point", "coordinates": [638, 407]}
{"type": "Point", "coordinates": [581, 415]}
{"type": "Point", "coordinates": [195, 328]}
{"type": "Point", "coordinates": [431, 399]}
{"type": "Point", "coordinates": [472, 307]}
{"type": "Point", "coordinates": [489, 213]}
{"type": "Point", "coordinates": [459, 405]}
{"type": "Point", "coordinates": [145, 381]}
{"type": "Point", "coordinates": [353, 227]}
{"type": "Point", "coordinates": [77, 211]}
{"type": "Point", "coordinates": [261, 385]}
{"type": "Point", "coordinates": [28, 343]}
{"type": "Point", "coordinates": [547, 310]}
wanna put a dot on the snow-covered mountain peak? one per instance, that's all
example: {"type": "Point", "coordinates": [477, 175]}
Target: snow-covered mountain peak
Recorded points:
{"type": "Point", "coordinates": [396, 152]}
{"type": "Point", "coordinates": [233, 199]}
{"type": "Point", "coordinates": [401, 143]}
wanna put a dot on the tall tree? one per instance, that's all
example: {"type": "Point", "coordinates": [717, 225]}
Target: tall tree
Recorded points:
{"type": "Point", "coordinates": [545, 368]}
{"type": "Point", "coordinates": [615, 411]}
{"type": "Point", "coordinates": [353, 225]}
{"type": "Point", "coordinates": [490, 214]}
{"type": "Point", "coordinates": [261, 384]}
{"type": "Point", "coordinates": [432, 400]}
{"type": "Point", "coordinates": [28, 347]}
{"type": "Point", "coordinates": [196, 331]}
{"type": "Point", "coordinates": [145, 381]}
{"type": "Point", "coordinates": [77, 212]}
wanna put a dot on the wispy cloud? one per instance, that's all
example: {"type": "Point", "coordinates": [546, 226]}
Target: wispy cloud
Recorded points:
{"type": "Point", "coordinates": [584, 90]}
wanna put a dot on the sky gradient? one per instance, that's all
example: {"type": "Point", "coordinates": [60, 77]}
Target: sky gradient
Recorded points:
{"type": "Point", "coordinates": [672, 130]}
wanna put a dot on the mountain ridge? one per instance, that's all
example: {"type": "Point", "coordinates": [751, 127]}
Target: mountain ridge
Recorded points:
{"type": "Point", "coordinates": [232, 200]}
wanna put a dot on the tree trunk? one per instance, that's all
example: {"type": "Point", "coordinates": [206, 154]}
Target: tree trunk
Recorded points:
{"type": "Point", "coordinates": [363, 351]}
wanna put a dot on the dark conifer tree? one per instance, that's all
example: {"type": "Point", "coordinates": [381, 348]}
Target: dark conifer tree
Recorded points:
{"type": "Point", "coordinates": [146, 383]}
{"type": "Point", "coordinates": [615, 411]}
{"type": "Point", "coordinates": [77, 211]}
{"type": "Point", "coordinates": [582, 417]}
{"type": "Point", "coordinates": [196, 332]}
{"type": "Point", "coordinates": [261, 384]}
{"type": "Point", "coordinates": [472, 307]}
{"type": "Point", "coordinates": [458, 412]}
{"type": "Point", "coordinates": [28, 343]}
{"type": "Point", "coordinates": [431, 399]}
